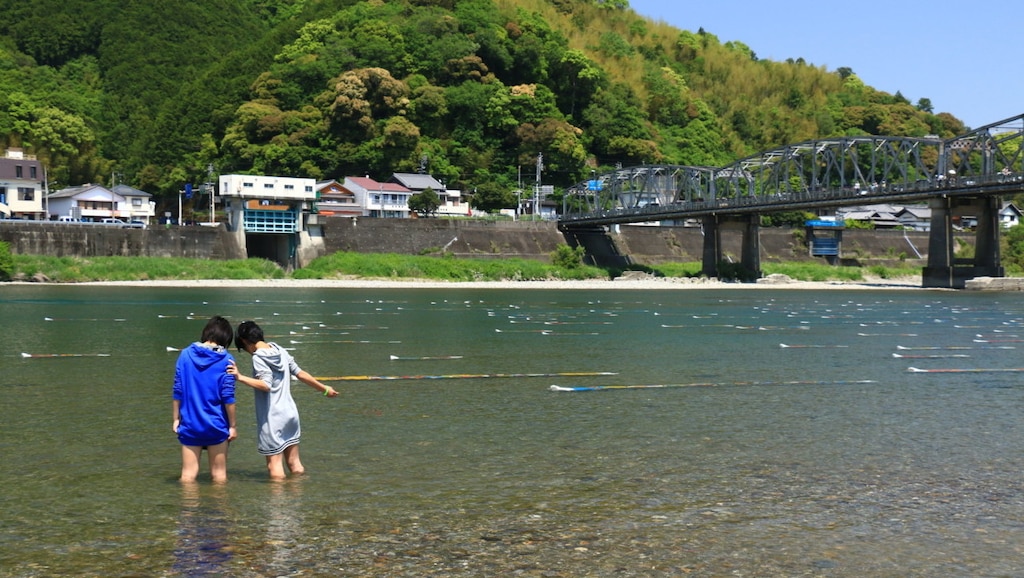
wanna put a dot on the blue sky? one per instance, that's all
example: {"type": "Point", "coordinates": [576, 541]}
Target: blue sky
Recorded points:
{"type": "Point", "coordinates": [965, 56]}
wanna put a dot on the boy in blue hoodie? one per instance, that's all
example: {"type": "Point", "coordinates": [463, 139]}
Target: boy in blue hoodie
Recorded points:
{"type": "Point", "coordinates": [204, 401]}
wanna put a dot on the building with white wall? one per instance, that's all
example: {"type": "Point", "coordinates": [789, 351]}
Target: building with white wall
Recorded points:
{"type": "Point", "coordinates": [22, 186]}
{"type": "Point", "coordinates": [334, 200]}
{"type": "Point", "coordinates": [452, 204]}
{"type": "Point", "coordinates": [273, 216]}
{"type": "Point", "coordinates": [96, 202]}
{"type": "Point", "coordinates": [385, 200]}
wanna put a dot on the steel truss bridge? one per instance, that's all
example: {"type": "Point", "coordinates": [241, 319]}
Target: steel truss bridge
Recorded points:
{"type": "Point", "coordinates": [965, 175]}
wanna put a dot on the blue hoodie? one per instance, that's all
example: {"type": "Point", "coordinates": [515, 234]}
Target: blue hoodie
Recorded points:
{"type": "Point", "coordinates": [204, 388]}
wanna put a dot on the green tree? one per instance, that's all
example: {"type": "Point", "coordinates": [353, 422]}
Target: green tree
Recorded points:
{"type": "Point", "coordinates": [491, 196]}
{"type": "Point", "coordinates": [616, 128]}
{"type": "Point", "coordinates": [1012, 241]}
{"type": "Point", "coordinates": [425, 203]}
{"type": "Point", "coordinates": [581, 76]}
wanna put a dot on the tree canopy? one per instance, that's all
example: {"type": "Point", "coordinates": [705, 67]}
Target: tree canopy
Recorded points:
{"type": "Point", "coordinates": [159, 91]}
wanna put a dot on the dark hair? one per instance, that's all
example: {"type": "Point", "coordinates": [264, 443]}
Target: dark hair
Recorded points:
{"type": "Point", "coordinates": [217, 330]}
{"type": "Point", "coordinates": [248, 332]}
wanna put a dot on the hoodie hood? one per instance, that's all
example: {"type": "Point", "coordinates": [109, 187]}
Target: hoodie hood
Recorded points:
{"type": "Point", "coordinates": [203, 356]}
{"type": "Point", "coordinates": [274, 356]}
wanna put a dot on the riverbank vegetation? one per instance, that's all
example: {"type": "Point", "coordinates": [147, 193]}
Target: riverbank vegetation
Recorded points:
{"type": "Point", "coordinates": [85, 269]}
{"type": "Point", "coordinates": [388, 266]}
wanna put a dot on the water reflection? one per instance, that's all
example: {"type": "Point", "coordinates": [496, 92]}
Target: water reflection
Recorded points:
{"type": "Point", "coordinates": [204, 536]}
{"type": "Point", "coordinates": [282, 525]}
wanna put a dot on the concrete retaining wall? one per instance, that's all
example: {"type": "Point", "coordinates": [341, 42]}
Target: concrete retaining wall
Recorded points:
{"type": "Point", "coordinates": [72, 240]}
{"type": "Point", "coordinates": [462, 238]}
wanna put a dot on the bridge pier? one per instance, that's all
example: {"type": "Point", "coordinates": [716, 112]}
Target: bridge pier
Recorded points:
{"type": "Point", "coordinates": [750, 247]}
{"type": "Point", "coordinates": [598, 245]}
{"type": "Point", "coordinates": [944, 269]}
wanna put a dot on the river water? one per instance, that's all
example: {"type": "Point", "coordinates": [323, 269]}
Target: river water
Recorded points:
{"type": "Point", "coordinates": [791, 437]}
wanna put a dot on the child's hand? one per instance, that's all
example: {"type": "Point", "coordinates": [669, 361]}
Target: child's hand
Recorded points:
{"type": "Point", "coordinates": [232, 369]}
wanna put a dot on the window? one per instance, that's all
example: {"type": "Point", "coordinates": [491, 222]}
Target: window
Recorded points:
{"type": "Point", "coordinates": [3, 195]}
{"type": "Point", "coordinates": [18, 172]}
{"type": "Point", "coordinates": [247, 185]}
{"type": "Point", "coordinates": [31, 172]}
{"type": "Point", "coordinates": [268, 185]}
{"type": "Point", "coordinates": [289, 187]}
{"type": "Point", "coordinates": [26, 193]}
{"type": "Point", "coordinates": [309, 189]}
{"type": "Point", "coordinates": [136, 202]}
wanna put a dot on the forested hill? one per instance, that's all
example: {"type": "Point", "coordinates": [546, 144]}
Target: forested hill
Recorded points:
{"type": "Point", "coordinates": [474, 89]}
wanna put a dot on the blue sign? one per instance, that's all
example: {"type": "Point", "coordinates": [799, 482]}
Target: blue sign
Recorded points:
{"type": "Point", "coordinates": [594, 185]}
{"type": "Point", "coordinates": [188, 190]}
{"type": "Point", "coordinates": [822, 223]}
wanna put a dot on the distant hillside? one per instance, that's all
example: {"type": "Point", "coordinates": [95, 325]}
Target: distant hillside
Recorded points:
{"type": "Point", "coordinates": [472, 90]}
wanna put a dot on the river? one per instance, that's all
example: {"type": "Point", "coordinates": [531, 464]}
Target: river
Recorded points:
{"type": "Point", "coordinates": [790, 438]}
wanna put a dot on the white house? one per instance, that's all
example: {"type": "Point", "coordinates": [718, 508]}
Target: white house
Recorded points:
{"type": "Point", "coordinates": [451, 199]}
{"type": "Point", "coordinates": [137, 205]}
{"type": "Point", "coordinates": [335, 200]}
{"type": "Point", "coordinates": [94, 202]}
{"type": "Point", "coordinates": [1009, 215]}
{"type": "Point", "coordinates": [387, 200]}
{"type": "Point", "coordinates": [21, 186]}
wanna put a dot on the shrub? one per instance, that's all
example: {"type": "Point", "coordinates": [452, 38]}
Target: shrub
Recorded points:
{"type": "Point", "coordinates": [6, 262]}
{"type": "Point", "coordinates": [566, 257]}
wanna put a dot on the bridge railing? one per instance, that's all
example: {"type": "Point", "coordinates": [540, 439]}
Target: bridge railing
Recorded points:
{"type": "Point", "coordinates": [797, 200]}
{"type": "Point", "coordinates": [842, 169]}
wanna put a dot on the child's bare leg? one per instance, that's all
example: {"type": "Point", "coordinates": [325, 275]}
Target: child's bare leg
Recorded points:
{"type": "Point", "coordinates": [190, 462]}
{"type": "Point", "coordinates": [275, 466]}
{"type": "Point", "coordinates": [291, 456]}
{"type": "Point", "coordinates": [218, 456]}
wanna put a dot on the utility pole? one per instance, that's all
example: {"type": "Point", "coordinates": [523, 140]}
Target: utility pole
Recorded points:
{"type": "Point", "coordinates": [210, 187]}
{"type": "Point", "coordinates": [115, 179]}
{"type": "Point", "coordinates": [536, 186]}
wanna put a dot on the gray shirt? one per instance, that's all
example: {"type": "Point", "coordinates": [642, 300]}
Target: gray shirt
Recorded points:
{"type": "Point", "coordinates": [277, 416]}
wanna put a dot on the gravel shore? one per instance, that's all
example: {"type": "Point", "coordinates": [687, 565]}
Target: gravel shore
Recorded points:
{"type": "Point", "coordinates": [642, 282]}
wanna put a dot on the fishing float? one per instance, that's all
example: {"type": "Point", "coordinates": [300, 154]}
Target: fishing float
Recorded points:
{"type": "Point", "coordinates": [424, 357]}
{"type": "Point", "coordinates": [967, 370]}
{"type": "Point", "coordinates": [45, 355]}
{"type": "Point", "coordinates": [581, 388]}
{"type": "Point", "coordinates": [464, 376]}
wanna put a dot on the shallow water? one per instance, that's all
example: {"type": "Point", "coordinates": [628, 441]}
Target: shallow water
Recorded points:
{"type": "Point", "coordinates": [823, 458]}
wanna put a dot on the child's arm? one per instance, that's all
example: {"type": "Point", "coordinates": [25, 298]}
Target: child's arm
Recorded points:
{"type": "Point", "coordinates": [245, 379]}
{"type": "Point", "coordinates": [232, 430]}
{"type": "Point", "coordinates": [313, 382]}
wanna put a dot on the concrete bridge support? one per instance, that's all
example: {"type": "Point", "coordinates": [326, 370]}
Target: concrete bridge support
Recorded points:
{"type": "Point", "coordinates": [750, 245]}
{"type": "Point", "coordinates": [944, 269]}
{"type": "Point", "coordinates": [599, 246]}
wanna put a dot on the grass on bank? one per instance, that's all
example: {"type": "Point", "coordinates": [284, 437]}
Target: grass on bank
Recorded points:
{"type": "Point", "coordinates": [394, 266]}
{"type": "Point", "coordinates": [85, 269]}
{"type": "Point", "coordinates": [391, 266]}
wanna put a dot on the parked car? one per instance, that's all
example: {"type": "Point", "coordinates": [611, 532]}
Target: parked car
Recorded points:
{"type": "Point", "coordinates": [135, 225]}
{"type": "Point", "coordinates": [113, 221]}
{"type": "Point", "coordinates": [68, 219]}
